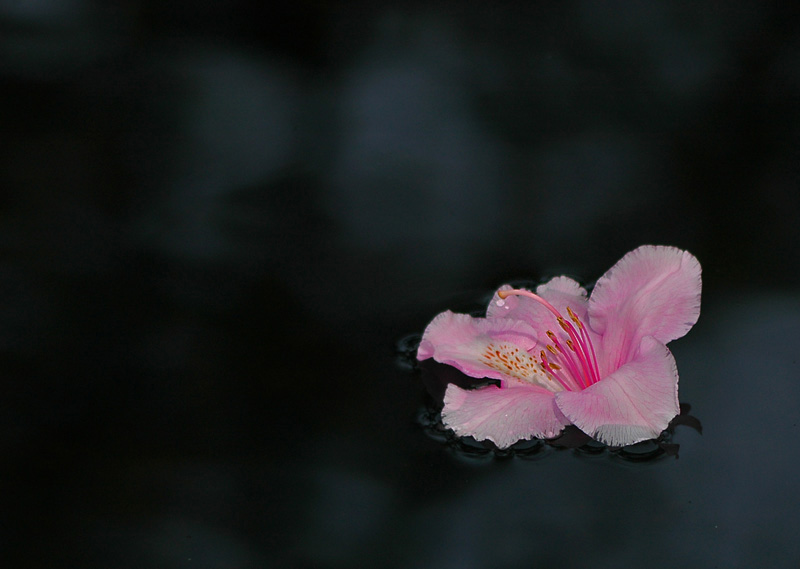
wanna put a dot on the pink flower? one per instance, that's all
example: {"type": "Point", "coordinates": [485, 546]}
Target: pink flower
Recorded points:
{"type": "Point", "coordinates": [599, 363]}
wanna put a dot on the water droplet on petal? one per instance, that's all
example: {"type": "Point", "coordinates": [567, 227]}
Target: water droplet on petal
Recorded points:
{"type": "Point", "coordinates": [500, 302]}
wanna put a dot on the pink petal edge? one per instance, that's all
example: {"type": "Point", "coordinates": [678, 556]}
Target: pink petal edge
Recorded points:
{"type": "Point", "coordinates": [503, 416]}
{"type": "Point", "coordinates": [558, 291]}
{"type": "Point", "coordinates": [633, 404]}
{"type": "Point", "coordinates": [460, 340]}
{"type": "Point", "coordinates": [652, 291]}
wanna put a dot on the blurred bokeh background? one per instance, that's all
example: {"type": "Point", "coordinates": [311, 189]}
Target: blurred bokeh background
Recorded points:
{"type": "Point", "coordinates": [217, 220]}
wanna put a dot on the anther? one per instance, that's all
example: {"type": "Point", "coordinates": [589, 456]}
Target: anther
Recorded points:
{"type": "Point", "coordinates": [574, 318]}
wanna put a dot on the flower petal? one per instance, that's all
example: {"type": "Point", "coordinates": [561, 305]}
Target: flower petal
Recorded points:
{"type": "Point", "coordinates": [633, 404]}
{"type": "Point", "coordinates": [503, 416]}
{"type": "Point", "coordinates": [497, 348]}
{"type": "Point", "coordinates": [651, 291]}
{"type": "Point", "coordinates": [562, 292]}
{"type": "Point", "coordinates": [559, 291]}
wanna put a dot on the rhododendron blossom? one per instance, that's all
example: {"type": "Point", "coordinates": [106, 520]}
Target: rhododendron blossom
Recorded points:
{"type": "Point", "coordinates": [561, 357]}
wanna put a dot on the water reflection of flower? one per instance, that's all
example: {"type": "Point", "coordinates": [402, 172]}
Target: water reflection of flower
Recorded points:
{"type": "Point", "coordinates": [560, 358]}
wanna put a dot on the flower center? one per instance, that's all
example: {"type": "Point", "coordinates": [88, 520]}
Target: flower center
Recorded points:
{"type": "Point", "coordinates": [572, 363]}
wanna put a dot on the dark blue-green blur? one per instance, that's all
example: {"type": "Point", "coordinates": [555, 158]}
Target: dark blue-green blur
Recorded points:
{"type": "Point", "coordinates": [218, 219]}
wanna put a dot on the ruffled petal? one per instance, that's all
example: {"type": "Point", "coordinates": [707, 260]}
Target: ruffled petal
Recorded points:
{"type": "Point", "coordinates": [559, 291]}
{"type": "Point", "coordinates": [633, 404]}
{"type": "Point", "coordinates": [651, 291]}
{"type": "Point", "coordinates": [562, 292]}
{"type": "Point", "coordinates": [504, 416]}
{"type": "Point", "coordinates": [497, 348]}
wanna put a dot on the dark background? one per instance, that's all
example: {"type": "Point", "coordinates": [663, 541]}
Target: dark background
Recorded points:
{"type": "Point", "coordinates": [218, 220]}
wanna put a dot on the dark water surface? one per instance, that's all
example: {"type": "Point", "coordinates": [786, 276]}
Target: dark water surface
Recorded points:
{"type": "Point", "coordinates": [217, 223]}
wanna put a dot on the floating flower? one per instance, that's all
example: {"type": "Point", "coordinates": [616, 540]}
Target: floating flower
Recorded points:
{"type": "Point", "coordinates": [600, 363]}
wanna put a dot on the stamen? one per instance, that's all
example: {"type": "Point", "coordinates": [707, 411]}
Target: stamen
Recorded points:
{"type": "Point", "coordinates": [581, 368]}
{"type": "Point", "coordinates": [580, 351]}
{"type": "Point", "coordinates": [574, 318]}
{"type": "Point", "coordinates": [588, 341]}
{"type": "Point", "coordinates": [548, 367]}
{"type": "Point", "coordinates": [570, 365]}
